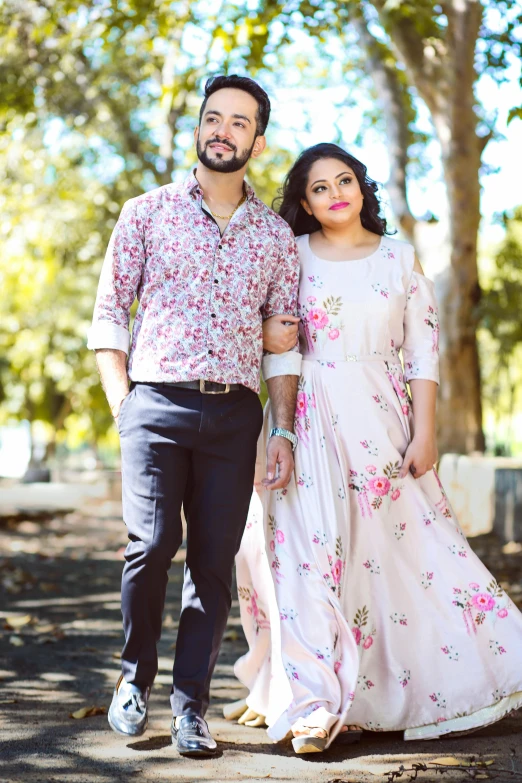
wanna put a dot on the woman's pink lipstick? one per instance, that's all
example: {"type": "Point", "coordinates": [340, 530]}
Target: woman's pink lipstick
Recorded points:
{"type": "Point", "coordinates": [340, 205]}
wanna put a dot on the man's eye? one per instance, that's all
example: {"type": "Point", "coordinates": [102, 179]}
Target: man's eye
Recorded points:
{"type": "Point", "coordinates": [239, 124]}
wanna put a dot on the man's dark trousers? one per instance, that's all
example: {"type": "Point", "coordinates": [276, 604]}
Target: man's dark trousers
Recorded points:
{"type": "Point", "coordinates": [179, 446]}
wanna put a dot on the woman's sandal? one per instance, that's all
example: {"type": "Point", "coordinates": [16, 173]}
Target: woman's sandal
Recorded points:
{"type": "Point", "coordinates": [310, 743]}
{"type": "Point", "coordinates": [316, 743]}
{"type": "Point", "coordinates": [349, 735]}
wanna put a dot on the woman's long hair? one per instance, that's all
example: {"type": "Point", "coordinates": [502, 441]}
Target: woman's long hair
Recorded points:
{"type": "Point", "coordinates": [288, 201]}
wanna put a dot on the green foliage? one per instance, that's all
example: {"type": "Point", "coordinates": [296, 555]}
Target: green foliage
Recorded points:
{"type": "Point", "coordinates": [502, 300]}
{"type": "Point", "coordinates": [97, 104]}
{"type": "Point", "coordinates": [501, 338]}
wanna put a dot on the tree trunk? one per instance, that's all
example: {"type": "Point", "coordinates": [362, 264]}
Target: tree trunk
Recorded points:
{"type": "Point", "coordinates": [443, 71]}
{"type": "Point", "coordinates": [460, 404]}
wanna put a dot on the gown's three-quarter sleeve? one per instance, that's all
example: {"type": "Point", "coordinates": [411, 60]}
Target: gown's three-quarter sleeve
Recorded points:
{"type": "Point", "coordinates": [420, 349]}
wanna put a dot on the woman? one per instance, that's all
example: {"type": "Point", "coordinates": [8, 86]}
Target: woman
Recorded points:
{"type": "Point", "coordinates": [362, 601]}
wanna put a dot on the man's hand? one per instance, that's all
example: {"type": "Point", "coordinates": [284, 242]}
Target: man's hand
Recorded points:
{"type": "Point", "coordinates": [278, 455]}
{"type": "Point", "coordinates": [115, 406]}
{"type": "Point", "coordinates": [420, 457]}
{"type": "Point", "coordinates": [112, 365]}
{"type": "Point", "coordinates": [280, 333]}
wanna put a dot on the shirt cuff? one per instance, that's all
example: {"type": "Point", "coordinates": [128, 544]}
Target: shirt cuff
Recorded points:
{"type": "Point", "coordinates": [274, 364]}
{"type": "Point", "coordinates": [104, 334]}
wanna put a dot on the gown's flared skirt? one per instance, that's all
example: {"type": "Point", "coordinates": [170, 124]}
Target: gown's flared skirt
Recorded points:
{"type": "Point", "coordinates": [361, 599]}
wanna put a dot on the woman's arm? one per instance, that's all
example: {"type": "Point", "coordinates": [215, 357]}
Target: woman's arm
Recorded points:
{"type": "Point", "coordinates": [421, 454]}
{"type": "Point", "coordinates": [277, 337]}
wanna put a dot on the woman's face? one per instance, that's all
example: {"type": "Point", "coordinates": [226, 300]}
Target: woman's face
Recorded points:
{"type": "Point", "coordinates": [332, 195]}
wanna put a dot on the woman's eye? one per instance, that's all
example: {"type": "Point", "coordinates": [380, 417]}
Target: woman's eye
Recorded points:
{"type": "Point", "coordinates": [346, 181]}
{"type": "Point", "coordinates": [319, 189]}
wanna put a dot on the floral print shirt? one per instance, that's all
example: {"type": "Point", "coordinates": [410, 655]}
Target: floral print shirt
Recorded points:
{"type": "Point", "coordinates": [202, 297]}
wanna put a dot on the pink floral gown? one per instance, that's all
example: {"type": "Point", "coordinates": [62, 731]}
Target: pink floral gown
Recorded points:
{"type": "Point", "coordinates": [360, 597]}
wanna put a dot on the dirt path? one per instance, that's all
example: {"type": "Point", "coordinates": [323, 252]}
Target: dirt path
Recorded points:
{"type": "Point", "coordinates": [59, 587]}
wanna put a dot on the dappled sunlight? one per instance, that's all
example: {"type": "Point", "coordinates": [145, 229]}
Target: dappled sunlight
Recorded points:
{"type": "Point", "coordinates": [68, 660]}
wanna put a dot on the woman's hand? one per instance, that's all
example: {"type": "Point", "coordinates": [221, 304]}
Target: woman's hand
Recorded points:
{"type": "Point", "coordinates": [278, 338]}
{"type": "Point", "coordinates": [421, 455]}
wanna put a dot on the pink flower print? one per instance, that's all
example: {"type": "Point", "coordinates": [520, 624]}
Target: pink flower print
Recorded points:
{"type": "Point", "coordinates": [403, 621]}
{"type": "Point", "coordinates": [357, 634]}
{"type": "Point", "coordinates": [280, 537]}
{"type": "Point", "coordinates": [429, 575]}
{"type": "Point", "coordinates": [311, 300]}
{"type": "Point", "coordinates": [369, 684]}
{"type": "Point", "coordinates": [502, 650]}
{"type": "Point", "coordinates": [337, 571]}
{"type": "Point", "coordinates": [371, 469]}
{"type": "Point", "coordinates": [368, 642]}
{"type": "Point", "coordinates": [315, 539]}
{"type": "Point", "coordinates": [301, 407]}
{"type": "Point", "coordinates": [333, 334]}
{"type": "Point", "coordinates": [379, 486]}
{"type": "Point", "coordinates": [483, 601]}
{"type": "Point", "coordinates": [502, 613]}
{"type": "Point", "coordinates": [318, 317]}
{"type": "Point", "coordinates": [404, 683]}
{"type": "Point", "coordinates": [402, 525]}
{"type": "Point", "coordinates": [405, 410]}
{"type": "Point", "coordinates": [312, 401]}
{"type": "Point", "coordinates": [395, 495]}
{"type": "Point", "coordinates": [337, 666]}
{"type": "Point", "coordinates": [320, 656]}
{"type": "Point", "coordinates": [255, 608]}
{"type": "Point", "coordinates": [364, 444]}
{"type": "Point", "coordinates": [445, 650]}
{"type": "Point", "coordinates": [272, 546]}
{"type": "Point", "coordinates": [433, 696]}
{"type": "Point", "coordinates": [474, 586]}
{"type": "Point", "coordinates": [367, 564]}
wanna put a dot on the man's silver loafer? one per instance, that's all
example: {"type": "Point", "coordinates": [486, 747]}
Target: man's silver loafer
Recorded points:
{"type": "Point", "coordinates": [128, 713]}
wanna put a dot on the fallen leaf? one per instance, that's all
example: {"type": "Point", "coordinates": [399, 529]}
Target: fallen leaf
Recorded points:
{"type": "Point", "coordinates": [49, 587]}
{"type": "Point", "coordinates": [449, 761]}
{"type": "Point", "coordinates": [16, 641]}
{"type": "Point", "coordinates": [18, 622]}
{"type": "Point", "coordinates": [45, 628]}
{"type": "Point", "coordinates": [87, 712]}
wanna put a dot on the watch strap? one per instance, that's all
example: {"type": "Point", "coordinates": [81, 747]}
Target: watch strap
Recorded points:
{"type": "Point", "coordinates": [282, 433]}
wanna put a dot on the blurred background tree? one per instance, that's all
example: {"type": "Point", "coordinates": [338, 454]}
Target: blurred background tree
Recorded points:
{"type": "Point", "coordinates": [98, 102]}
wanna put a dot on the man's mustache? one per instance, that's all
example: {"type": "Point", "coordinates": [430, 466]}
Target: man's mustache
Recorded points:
{"type": "Point", "coordinates": [217, 140]}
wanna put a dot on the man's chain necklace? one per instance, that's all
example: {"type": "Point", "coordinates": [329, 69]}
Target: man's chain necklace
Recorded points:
{"type": "Point", "coordinates": [229, 217]}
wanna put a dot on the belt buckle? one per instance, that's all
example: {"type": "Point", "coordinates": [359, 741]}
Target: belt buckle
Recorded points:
{"type": "Point", "coordinates": [204, 391]}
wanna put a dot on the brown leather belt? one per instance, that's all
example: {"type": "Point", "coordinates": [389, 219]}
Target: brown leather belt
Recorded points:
{"type": "Point", "coordinates": [207, 387]}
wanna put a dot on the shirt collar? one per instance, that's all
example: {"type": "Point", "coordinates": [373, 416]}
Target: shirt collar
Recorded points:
{"type": "Point", "coordinates": [192, 187]}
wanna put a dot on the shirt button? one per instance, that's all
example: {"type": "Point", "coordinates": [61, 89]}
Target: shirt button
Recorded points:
{"type": "Point", "coordinates": [216, 280]}
{"type": "Point", "coordinates": [220, 247]}
{"type": "Point", "coordinates": [211, 352]}
{"type": "Point", "coordinates": [212, 315]}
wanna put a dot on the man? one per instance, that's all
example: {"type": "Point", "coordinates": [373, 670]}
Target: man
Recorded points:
{"type": "Point", "coordinates": [208, 262]}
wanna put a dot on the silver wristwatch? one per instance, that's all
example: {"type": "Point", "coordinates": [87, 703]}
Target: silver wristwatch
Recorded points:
{"type": "Point", "coordinates": [294, 440]}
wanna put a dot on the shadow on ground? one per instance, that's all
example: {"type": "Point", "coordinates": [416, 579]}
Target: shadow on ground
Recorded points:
{"type": "Point", "coordinates": [59, 652]}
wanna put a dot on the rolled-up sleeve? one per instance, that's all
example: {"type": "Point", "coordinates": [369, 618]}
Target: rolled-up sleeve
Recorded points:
{"type": "Point", "coordinates": [119, 281]}
{"type": "Point", "coordinates": [282, 298]}
{"type": "Point", "coordinates": [420, 349]}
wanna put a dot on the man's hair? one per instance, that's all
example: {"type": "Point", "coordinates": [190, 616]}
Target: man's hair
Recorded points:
{"type": "Point", "coordinates": [234, 82]}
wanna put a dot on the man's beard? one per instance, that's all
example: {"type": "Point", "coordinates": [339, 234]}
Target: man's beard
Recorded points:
{"type": "Point", "coordinates": [235, 163]}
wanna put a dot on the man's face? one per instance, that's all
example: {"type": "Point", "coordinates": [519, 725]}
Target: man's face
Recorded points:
{"type": "Point", "coordinates": [226, 138]}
